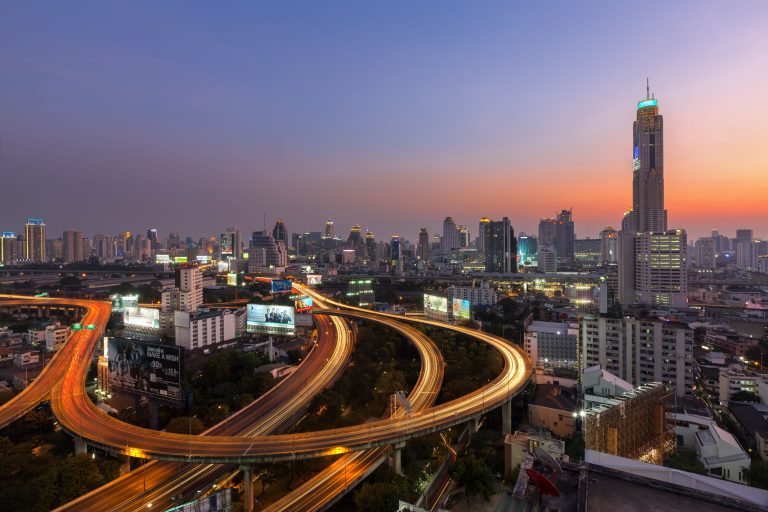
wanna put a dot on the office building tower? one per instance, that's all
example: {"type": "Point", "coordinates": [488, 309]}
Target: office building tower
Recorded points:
{"type": "Point", "coordinates": [500, 247]}
{"type": "Point", "coordinates": [279, 233]}
{"type": "Point", "coordinates": [174, 241]}
{"type": "Point", "coordinates": [565, 236]}
{"type": "Point", "coordinates": [640, 350]}
{"type": "Point", "coordinates": [652, 259]}
{"type": "Point", "coordinates": [422, 249]}
{"type": "Point", "coordinates": [552, 344]}
{"type": "Point", "coordinates": [744, 235]}
{"type": "Point", "coordinates": [264, 252]}
{"type": "Point", "coordinates": [370, 247]}
{"type": "Point", "coordinates": [722, 242]}
{"type": "Point", "coordinates": [87, 249]}
{"type": "Point", "coordinates": [463, 237]}
{"type": "Point", "coordinates": [394, 253]}
{"type": "Point", "coordinates": [8, 254]}
{"type": "Point", "coordinates": [609, 246]}
{"type": "Point", "coordinates": [648, 214]}
{"type": "Point", "coordinates": [154, 242]}
{"type": "Point", "coordinates": [527, 247]}
{"type": "Point", "coordinates": [587, 251]}
{"type": "Point", "coordinates": [481, 235]}
{"type": "Point", "coordinates": [72, 246]}
{"type": "Point", "coordinates": [747, 253]}
{"type": "Point", "coordinates": [450, 240]}
{"type": "Point", "coordinates": [547, 260]}
{"type": "Point", "coordinates": [704, 253]}
{"type": "Point", "coordinates": [328, 233]}
{"type": "Point", "coordinates": [34, 240]}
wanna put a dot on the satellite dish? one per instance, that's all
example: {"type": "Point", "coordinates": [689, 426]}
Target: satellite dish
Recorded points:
{"type": "Point", "coordinates": [547, 459]}
{"type": "Point", "coordinates": [542, 482]}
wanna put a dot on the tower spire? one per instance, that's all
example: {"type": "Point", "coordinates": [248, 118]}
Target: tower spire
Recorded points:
{"type": "Point", "coordinates": [647, 89]}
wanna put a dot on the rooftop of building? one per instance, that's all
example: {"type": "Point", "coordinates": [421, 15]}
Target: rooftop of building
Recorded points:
{"type": "Point", "coordinates": [554, 396]}
{"type": "Point", "coordinates": [548, 327]}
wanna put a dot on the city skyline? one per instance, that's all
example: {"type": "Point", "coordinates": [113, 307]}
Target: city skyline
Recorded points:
{"type": "Point", "coordinates": [177, 127]}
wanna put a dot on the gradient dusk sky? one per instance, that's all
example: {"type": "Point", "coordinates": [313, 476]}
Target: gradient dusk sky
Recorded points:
{"type": "Point", "coordinates": [192, 116]}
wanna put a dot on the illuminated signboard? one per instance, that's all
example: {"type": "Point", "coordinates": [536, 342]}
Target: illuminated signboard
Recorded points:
{"type": "Point", "coordinates": [303, 303]}
{"type": "Point", "coordinates": [314, 279]}
{"type": "Point", "coordinates": [162, 258]}
{"type": "Point", "coordinates": [180, 259]}
{"type": "Point", "coordinates": [461, 308]}
{"type": "Point", "coordinates": [142, 317]}
{"type": "Point", "coordinates": [232, 279]}
{"type": "Point", "coordinates": [278, 318]}
{"type": "Point", "coordinates": [222, 266]}
{"type": "Point", "coordinates": [204, 259]}
{"type": "Point", "coordinates": [281, 286]}
{"type": "Point", "coordinates": [120, 302]}
{"type": "Point", "coordinates": [434, 303]}
{"type": "Point", "coordinates": [145, 368]}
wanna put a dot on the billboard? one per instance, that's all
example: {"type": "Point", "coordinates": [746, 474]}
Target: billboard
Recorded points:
{"type": "Point", "coordinates": [314, 279]}
{"type": "Point", "coordinates": [145, 368]}
{"type": "Point", "coordinates": [267, 315]}
{"type": "Point", "coordinates": [461, 308]}
{"type": "Point", "coordinates": [232, 279]}
{"type": "Point", "coordinates": [302, 303]}
{"type": "Point", "coordinates": [120, 302]}
{"type": "Point", "coordinates": [142, 317]}
{"type": "Point", "coordinates": [180, 259]}
{"type": "Point", "coordinates": [304, 319]}
{"type": "Point", "coordinates": [162, 258]}
{"type": "Point", "coordinates": [204, 259]}
{"type": "Point", "coordinates": [435, 304]}
{"type": "Point", "coordinates": [281, 286]}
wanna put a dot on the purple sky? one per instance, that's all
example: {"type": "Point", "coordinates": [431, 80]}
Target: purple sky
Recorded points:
{"type": "Point", "coordinates": [191, 117]}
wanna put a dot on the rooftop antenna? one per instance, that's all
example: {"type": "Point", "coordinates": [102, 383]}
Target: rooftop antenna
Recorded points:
{"type": "Point", "coordinates": [647, 89]}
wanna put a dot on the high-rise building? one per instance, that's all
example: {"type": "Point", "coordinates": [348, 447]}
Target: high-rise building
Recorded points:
{"type": "Point", "coordinates": [547, 233]}
{"type": "Point", "coordinates": [370, 247]}
{"type": "Point", "coordinates": [328, 233]}
{"type": "Point", "coordinates": [481, 235]}
{"type": "Point", "coordinates": [451, 240]}
{"type": "Point", "coordinates": [34, 240]}
{"type": "Point", "coordinates": [154, 242]}
{"type": "Point", "coordinates": [500, 246]}
{"type": "Point", "coordinates": [396, 260]}
{"type": "Point", "coordinates": [640, 350]}
{"type": "Point", "coordinates": [652, 259]}
{"type": "Point", "coordinates": [648, 213]}
{"type": "Point", "coordinates": [747, 252]}
{"type": "Point", "coordinates": [264, 252]}
{"type": "Point", "coordinates": [704, 253]}
{"type": "Point", "coordinates": [422, 250]}
{"type": "Point", "coordinates": [609, 246]}
{"type": "Point", "coordinates": [72, 246]}
{"type": "Point", "coordinates": [527, 247]}
{"type": "Point", "coordinates": [463, 237]}
{"type": "Point", "coordinates": [546, 260]}
{"type": "Point", "coordinates": [8, 248]}
{"type": "Point", "coordinates": [280, 233]}
{"type": "Point", "coordinates": [565, 235]}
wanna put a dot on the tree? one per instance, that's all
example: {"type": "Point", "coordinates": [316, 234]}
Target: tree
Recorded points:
{"type": "Point", "coordinates": [474, 476]}
{"type": "Point", "coordinates": [185, 425]}
{"type": "Point", "coordinates": [686, 460]}
{"type": "Point", "coordinates": [377, 497]}
{"type": "Point", "coordinates": [757, 474]}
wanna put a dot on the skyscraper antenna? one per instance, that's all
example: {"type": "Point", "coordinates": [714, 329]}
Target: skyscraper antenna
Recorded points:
{"type": "Point", "coordinates": [647, 89]}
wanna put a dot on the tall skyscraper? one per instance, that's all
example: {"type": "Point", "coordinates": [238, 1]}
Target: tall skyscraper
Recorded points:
{"type": "Point", "coordinates": [526, 248]}
{"type": "Point", "coordinates": [451, 240]}
{"type": "Point", "coordinates": [565, 236]}
{"type": "Point", "coordinates": [704, 253]}
{"type": "Point", "coordinates": [370, 247]}
{"type": "Point", "coordinates": [34, 240]}
{"type": "Point", "coordinates": [328, 233]}
{"type": "Point", "coordinates": [652, 259]}
{"type": "Point", "coordinates": [422, 250]}
{"type": "Point", "coordinates": [609, 246]}
{"type": "Point", "coordinates": [648, 213]}
{"type": "Point", "coordinates": [500, 247]}
{"type": "Point", "coordinates": [72, 246]}
{"type": "Point", "coordinates": [481, 235]}
{"type": "Point", "coordinates": [394, 252]}
{"type": "Point", "coordinates": [279, 233]}
{"type": "Point", "coordinates": [8, 248]}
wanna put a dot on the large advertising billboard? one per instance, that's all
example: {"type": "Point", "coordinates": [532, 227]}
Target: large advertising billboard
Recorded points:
{"type": "Point", "coordinates": [281, 286]}
{"type": "Point", "coordinates": [461, 308]}
{"type": "Point", "coordinates": [145, 368]}
{"type": "Point", "coordinates": [232, 279]}
{"type": "Point", "coordinates": [314, 279]}
{"type": "Point", "coordinates": [436, 304]}
{"type": "Point", "coordinates": [267, 315]}
{"type": "Point", "coordinates": [120, 302]}
{"type": "Point", "coordinates": [302, 303]}
{"type": "Point", "coordinates": [142, 317]}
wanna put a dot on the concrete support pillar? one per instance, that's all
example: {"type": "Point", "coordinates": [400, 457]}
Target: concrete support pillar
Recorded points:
{"type": "Point", "coordinates": [506, 418]}
{"type": "Point", "coordinates": [397, 459]}
{"type": "Point", "coordinates": [247, 488]}
{"type": "Point", "coordinates": [81, 448]}
{"type": "Point", "coordinates": [125, 466]}
{"type": "Point", "coordinates": [474, 425]}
